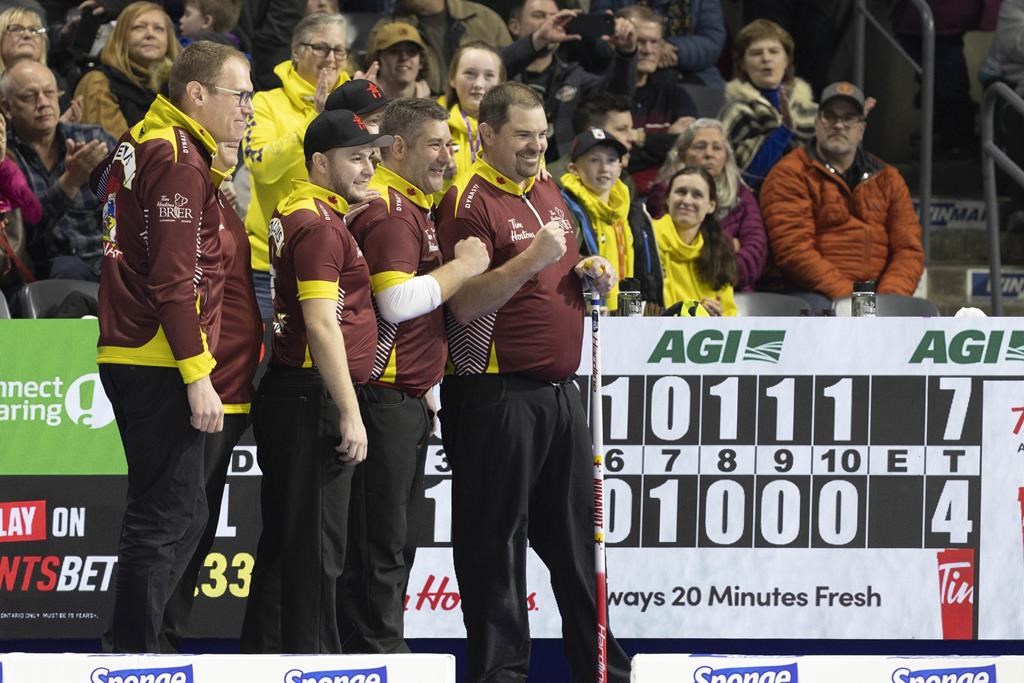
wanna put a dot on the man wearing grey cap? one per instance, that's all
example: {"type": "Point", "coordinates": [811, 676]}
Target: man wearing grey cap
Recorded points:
{"type": "Point", "coordinates": [306, 417]}
{"type": "Point", "coordinates": [836, 215]}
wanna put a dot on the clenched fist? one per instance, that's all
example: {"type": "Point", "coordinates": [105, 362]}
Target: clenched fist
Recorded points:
{"type": "Point", "coordinates": [473, 253]}
{"type": "Point", "coordinates": [548, 245]}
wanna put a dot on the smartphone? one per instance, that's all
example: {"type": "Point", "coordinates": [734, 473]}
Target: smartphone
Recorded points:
{"type": "Point", "coordinates": [591, 25]}
{"type": "Point", "coordinates": [88, 27]}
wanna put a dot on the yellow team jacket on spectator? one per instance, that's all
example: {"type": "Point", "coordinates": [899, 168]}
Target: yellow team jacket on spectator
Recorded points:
{"type": "Point", "coordinates": [609, 226]}
{"type": "Point", "coordinates": [272, 149]}
{"type": "Point", "coordinates": [679, 264]}
{"type": "Point", "coordinates": [466, 135]}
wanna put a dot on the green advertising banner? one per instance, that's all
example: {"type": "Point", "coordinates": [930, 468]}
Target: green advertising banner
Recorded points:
{"type": "Point", "coordinates": [54, 416]}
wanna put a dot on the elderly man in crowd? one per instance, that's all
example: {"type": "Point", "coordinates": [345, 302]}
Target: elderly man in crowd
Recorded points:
{"type": "Point", "coordinates": [836, 215]}
{"type": "Point", "coordinates": [57, 159]}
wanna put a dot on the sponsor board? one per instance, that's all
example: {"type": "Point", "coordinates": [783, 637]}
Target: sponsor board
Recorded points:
{"type": "Point", "coordinates": [961, 214]}
{"type": "Point", "coordinates": [807, 478]}
{"type": "Point", "coordinates": [979, 284]}
{"type": "Point", "coordinates": [76, 668]}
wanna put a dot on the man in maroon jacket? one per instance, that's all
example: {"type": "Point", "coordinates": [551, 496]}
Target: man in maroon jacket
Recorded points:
{"type": "Point", "coordinates": [161, 289]}
{"type": "Point", "coordinates": [511, 416]}
{"type": "Point", "coordinates": [307, 422]}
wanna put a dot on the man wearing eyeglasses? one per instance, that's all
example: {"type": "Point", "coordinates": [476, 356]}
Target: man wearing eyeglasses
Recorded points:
{"type": "Point", "coordinates": [160, 302]}
{"type": "Point", "coordinates": [836, 215]}
{"type": "Point", "coordinates": [56, 158]}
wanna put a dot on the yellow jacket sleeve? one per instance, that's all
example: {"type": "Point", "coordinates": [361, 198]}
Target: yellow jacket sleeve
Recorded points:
{"type": "Point", "coordinates": [273, 139]}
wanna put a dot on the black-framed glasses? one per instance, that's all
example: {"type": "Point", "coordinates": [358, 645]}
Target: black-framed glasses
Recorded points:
{"type": "Point", "coordinates": [831, 118]}
{"type": "Point", "coordinates": [32, 31]}
{"type": "Point", "coordinates": [244, 96]}
{"type": "Point", "coordinates": [321, 50]}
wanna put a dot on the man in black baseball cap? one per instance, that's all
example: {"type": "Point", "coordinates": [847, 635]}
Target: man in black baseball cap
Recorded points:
{"type": "Point", "coordinates": [307, 422]}
{"type": "Point", "coordinates": [361, 96]}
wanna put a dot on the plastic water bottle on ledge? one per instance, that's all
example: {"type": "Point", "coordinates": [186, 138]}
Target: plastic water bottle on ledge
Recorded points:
{"type": "Point", "coordinates": [863, 303]}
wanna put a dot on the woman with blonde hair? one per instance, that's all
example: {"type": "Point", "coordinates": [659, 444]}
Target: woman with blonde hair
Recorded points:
{"type": "Point", "coordinates": [134, 66]}
{"type": "Point", "coordinates": [22, 36]}
{"type": "Point", "coordinates": [704, 144]}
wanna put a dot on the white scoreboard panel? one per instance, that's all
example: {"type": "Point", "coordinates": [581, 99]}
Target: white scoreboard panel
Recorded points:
{"type": "Point", "coordinates": [827, 478]}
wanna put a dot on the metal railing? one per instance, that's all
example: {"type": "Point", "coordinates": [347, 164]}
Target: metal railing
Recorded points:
{"type": "Point", "coordinates": [926, 71]}
{"type": "Point", "coordinates": [990, 156]}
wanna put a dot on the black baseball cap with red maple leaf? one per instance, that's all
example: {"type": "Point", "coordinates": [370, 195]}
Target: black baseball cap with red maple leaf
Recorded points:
{"type": "Point", "coordinates": [340, 128]}
{"type": "Point", "coordinates": [358, 95]}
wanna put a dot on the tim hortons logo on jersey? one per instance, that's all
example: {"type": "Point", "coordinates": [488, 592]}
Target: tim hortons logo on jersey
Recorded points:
{"type": "Point", "coordinates": [173, 209]}
{"type": "Point", "coordinates": [956, 593]}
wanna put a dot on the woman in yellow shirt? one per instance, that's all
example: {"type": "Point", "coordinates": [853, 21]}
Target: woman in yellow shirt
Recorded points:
{"type": "Point", "coordinates": [697, 260]}
{"type": "Point", "coordinates": [475, 68]}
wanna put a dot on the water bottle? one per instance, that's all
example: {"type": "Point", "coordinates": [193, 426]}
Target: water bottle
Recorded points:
{"type": "Point", "coordinates": [630, 303]}
{"type": "Point", "coordinates": [863, 303]}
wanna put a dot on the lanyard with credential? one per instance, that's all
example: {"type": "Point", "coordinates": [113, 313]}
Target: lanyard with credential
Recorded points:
{"type": "Point", "coordinates": [474, 139]}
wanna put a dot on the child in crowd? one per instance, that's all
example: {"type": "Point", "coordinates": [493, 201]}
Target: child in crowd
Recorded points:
{"type": "Point", "coordinates": [599, 201]}
{"type": "Point", "coordinates": [204, 17]}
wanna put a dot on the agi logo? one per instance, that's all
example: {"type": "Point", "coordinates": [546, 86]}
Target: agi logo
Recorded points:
{"type": "Point", "coordinates": [716, 346]}
{"type": "Point", "coordinates": [786, 673]}
{"type": "Point", "coordinates": [378, 675]}
{"type": "Point", "coordinates": [977, 674]}
{"type": "Point", "coordinates": [969, 347]}
{"type": "Point", "coordinates": [180, 674]}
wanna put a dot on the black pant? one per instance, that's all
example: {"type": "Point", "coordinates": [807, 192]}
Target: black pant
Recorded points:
{"type": "Point", "coordinates": [216, 458]}
{"type": "Point", "coordinates": [305, 490]}
{"type": "Point", "coordinates": [522, 470]}
{"type": "Point", "coordinates": [380, 549]}
{"type": "Point", "coordinates": [166, 504]}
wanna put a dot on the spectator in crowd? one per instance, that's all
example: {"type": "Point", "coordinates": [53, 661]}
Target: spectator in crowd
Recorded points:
{"type": "Point", "coordinates": [308, 424]}
{"type": "Point", "coordinates": [272, 146]}
{"type": "Point", "coordinates": [515, 335]}
{"type": "Point", "coordinates": [444, 26]}
{"type": "Point", "coordinates": [954, 110]}
{"type": "Point", "coordinates": [23, 36]}
{"type": "Point", "coordinates": [160, 316]}
{"type": "Point", "coordinates": [816, 26]}
{"type": "Point", "coordinates": [612, 114]}
{"type": "Point", "coordinates": [1005, 61]}
{"type": "Point", "coordinates": [18, 206]}
{"type": "Point", "coordinates": [322, 7]}
{"type": "Point", "coordinates": [238, 355]}
{"type": "Point", "coordinates": [694, 35]}
{"type": "Point", "coordinates": [134, 65]}
{"type": "Point", "coordinates": [836, 215]}
{"type": "Point", "coordinates": [409, 283]}
{"type": "Point", "coordinates": [203, 17]}
{"type": "Point", "coordinates": [564, 84]}
{"type": "Point", "coordinates": [402, 58]}
{"type": "Point", "coordinates": [696, 256]}
{"type": "Point", "coordinates": [475, 69]}
{"type": "Point", "coordinates": [57, 159]}
{"type": "Point", "coordinates": [599, 202]}
{"type": "Point", "coordinates": [704, 145]}
{"type": "Point", "coordinates": [266, 28]}
{"type": "Point", "coordinates": [768, 110]}
{"type": "Point", "coordinates": [661, 108]}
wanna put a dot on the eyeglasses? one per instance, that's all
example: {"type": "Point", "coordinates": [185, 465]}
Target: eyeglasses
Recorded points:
{"type": "Point", "coordinates": [32, 97]}
{"type": "Point", "coordinates": [321, 50]}
{"type": "Point", "coordinates": [32, 31]}
{"type": "Point", "coordinates": [831, 118]}
{"type": "Point", "coordinates": [244, 96]}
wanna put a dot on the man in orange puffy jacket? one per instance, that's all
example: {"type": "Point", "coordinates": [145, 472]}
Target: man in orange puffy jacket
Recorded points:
{"type": "Point", "coordinates": [836, 215]}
